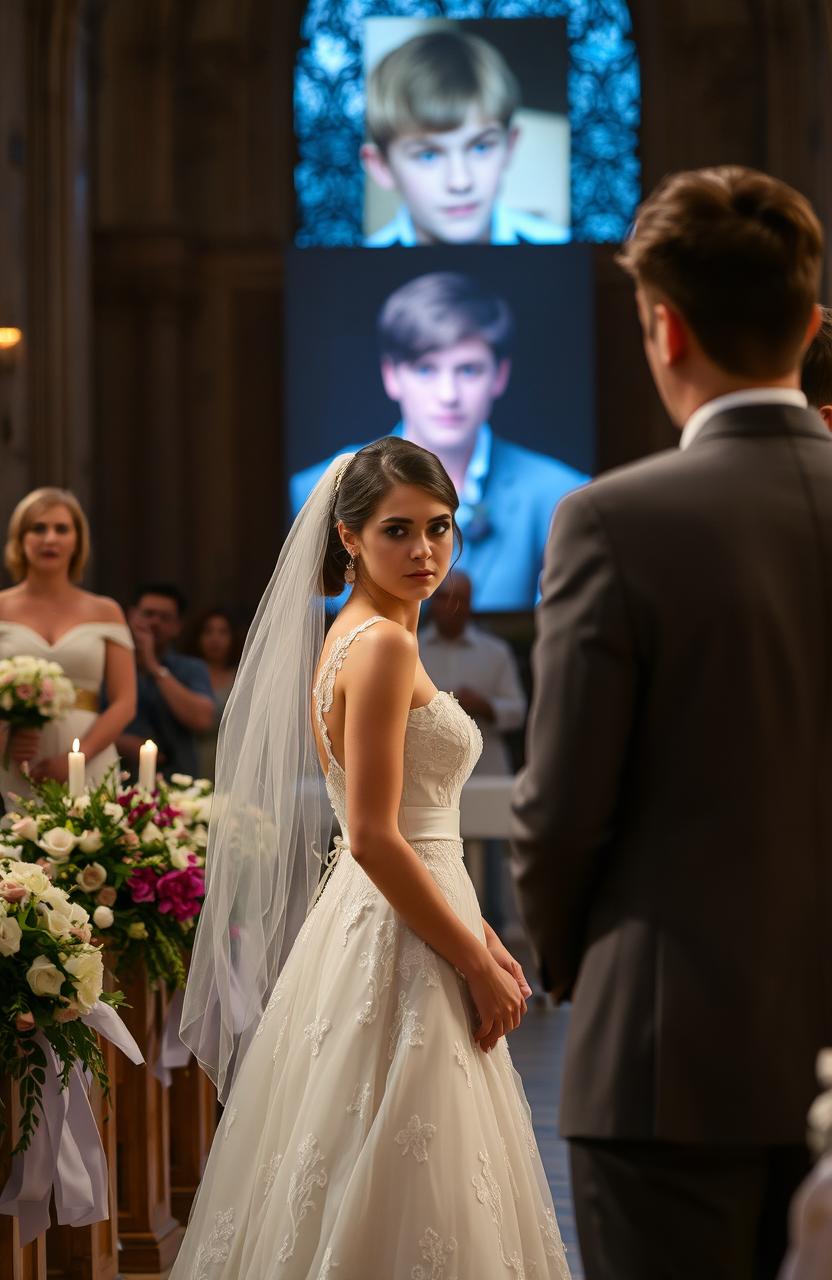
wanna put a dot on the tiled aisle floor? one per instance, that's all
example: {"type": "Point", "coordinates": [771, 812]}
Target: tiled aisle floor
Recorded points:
{"type": "Point", "coordinates": [537, 1051]}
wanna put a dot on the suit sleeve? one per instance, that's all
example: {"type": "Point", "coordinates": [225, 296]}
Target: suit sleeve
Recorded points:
{"type": "Point", "coordinates": [585, 673]}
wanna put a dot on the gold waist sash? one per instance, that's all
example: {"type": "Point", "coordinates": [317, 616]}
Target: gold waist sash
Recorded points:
{"type": "Point", "coordinates": [86, 700]}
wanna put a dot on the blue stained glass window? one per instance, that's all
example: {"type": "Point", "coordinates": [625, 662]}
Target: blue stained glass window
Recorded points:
{"type": "Point", "coordinates": [604, 109]}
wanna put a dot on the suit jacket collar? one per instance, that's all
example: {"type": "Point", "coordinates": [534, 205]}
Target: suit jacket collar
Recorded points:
{"type": "Point", "coordinates": [754, 420]}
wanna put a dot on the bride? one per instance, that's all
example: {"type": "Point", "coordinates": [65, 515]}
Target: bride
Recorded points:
{"type": "Point", "coordinates": [374, 1127]}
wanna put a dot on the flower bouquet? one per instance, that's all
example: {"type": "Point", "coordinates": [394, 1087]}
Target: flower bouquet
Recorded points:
{"type": "Point", "coordinates": [32, 692]}
{"type": "Point", "coordinates": [133, 859]}
{"type": "Point", "coordinates": [51, 976]}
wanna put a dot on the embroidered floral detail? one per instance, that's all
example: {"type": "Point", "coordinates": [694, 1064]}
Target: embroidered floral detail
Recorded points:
{"type": "Point", "coordinates": [306, 1177]}
{"type": "Point", "coordinates": [269, 1172]}
{"type": "Point", "coordinates": [488, 1193]}
{"type": "Point", "coordinates": [279, 1041]}
{"type": "Point", "coordinates": [511, 1178]}
{"type": "Point", "coordinates": [360, 1098]}
{"type": "Point", "coordinates": [273, 1000]}
{"type": "Point", "coordinates": [463, 1060]}
{"type": "Point", "coordinates": [378, 962]}
{"type": "Point", "coordinates": [552, 1243]}
{"type": "Point", "coordinates": [417, 958]}
{"type": "Point", "coordinates": [230, 1117]}
{"type": "Point", "coordinates": [315, 1032]}
{"type": "Point", "coordinates": [328, 1264]}
{"type": "Point", "coordinates": [406, 1027]}
{"type": "Point", "coordinates": [435, 1252]}
{"type": "Point", "coordinates": [359, 897]}
{"type": "Point", "coordinates": [217, 1247]}
{"type": "Point", "coordinates": [415, 1138]}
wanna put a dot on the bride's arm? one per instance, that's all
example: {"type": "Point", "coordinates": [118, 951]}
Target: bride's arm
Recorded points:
{"type": "Point", "coordinates": [378, 685]}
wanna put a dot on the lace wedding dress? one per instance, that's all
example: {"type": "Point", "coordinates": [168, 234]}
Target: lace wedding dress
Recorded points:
{"type": "Point", "coordinates": [366, 1136]}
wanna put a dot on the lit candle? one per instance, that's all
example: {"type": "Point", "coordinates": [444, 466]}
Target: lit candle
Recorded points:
{"type": "Point", "coordinates": [147, 765]}
{"type": "Point", "coordinates": [75, 773]}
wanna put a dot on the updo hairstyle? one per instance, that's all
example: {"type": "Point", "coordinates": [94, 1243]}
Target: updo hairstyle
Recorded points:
{"type": "Point", "coordinates": [368, 478]}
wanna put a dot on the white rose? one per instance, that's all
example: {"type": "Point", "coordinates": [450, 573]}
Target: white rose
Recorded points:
{"type": "Point", "coordinates": [92, 877]}
{"type": "Point", "coordinates": [44, 978]}
{"type": "Point", "coordinates": [32, 877]}
{"type": "Point", "coordinates": [199, 835]}
{"type": "Point", "coordinates": [82, 803]}
{"type": "Point", "coordinates": [181, 779]}
{"type": "Point", "coordinates": [78, 915]}
{"type": "Point", "coordinates": [25, 828]}
{"type": "Point", "coordinates": [54, 669]}
{"type": "Point", "coordinates": [91, 841]}
{"type": "Point", "coordinates": [58, 843]}
{"type": "Point", "coordinates": [114, 811]}
{"type": "Point", "coordinates": [10, 935]}
{"type": "Point", "coordinates": [102, 917]}
{"type": "Point", "coordinates": [151, 834]}
{"type": "Point", "coordinates": [180, 858]}
{"type": "Point", "coordinates": [87, 970]}
{"type": "Point", "coordinates": [58, 922]}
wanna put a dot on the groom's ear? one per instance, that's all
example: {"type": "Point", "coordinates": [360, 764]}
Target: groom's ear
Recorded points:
{"type": "Point", "coordinates": [672, 336]}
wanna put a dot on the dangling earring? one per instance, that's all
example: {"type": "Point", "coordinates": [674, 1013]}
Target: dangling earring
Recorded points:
{"type": "Point", "coordinates": [349, 572]}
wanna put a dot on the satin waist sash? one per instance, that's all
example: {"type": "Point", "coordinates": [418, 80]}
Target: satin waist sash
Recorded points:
{"type": "Point", "coordinates": [428, 822]}
{"type": "Point", "coordinates": [86, 700]}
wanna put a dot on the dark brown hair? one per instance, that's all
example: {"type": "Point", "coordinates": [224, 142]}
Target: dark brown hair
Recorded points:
{"type": "Point", "coordinates": [436, 311]}
{"type": "Point", "coordinates": [194, 634]}
{"type": "Point", "coordinates": [816, 378]}
{"type": "Point", "coordinates": [739, 254]}
{"type": "Point", "coordinates": [368, 478]}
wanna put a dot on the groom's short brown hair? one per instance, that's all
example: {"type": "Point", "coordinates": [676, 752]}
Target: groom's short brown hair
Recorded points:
{"type": "Point", "coordinates": [738, 253]}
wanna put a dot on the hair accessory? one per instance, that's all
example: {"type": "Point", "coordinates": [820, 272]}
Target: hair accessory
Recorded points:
{"type": "Point", "coordinates": [339, 477]}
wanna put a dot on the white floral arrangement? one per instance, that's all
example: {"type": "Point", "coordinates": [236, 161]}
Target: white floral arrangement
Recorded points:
{"type": "Point", "coordinates": [134, 859]}
{"type": "Point", "coordinates": [51, 976]}
{"type": "Point", "coordinates": [32, 693]}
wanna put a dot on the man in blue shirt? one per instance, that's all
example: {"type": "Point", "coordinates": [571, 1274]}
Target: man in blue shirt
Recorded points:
{"type": "Point", "coordinates": [175, 700]}
{"type": "Point", "coordinates": [445, 358]}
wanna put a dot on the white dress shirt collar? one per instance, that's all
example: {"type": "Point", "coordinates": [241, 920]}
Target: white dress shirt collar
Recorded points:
{"type": "Point", "coordinates": [737, 400]}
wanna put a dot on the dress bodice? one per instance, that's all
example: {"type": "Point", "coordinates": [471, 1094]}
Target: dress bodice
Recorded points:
{"type": "Point", "coordinates": [442, 743]}
{"type": "Point", "coordinates": [81, 651]}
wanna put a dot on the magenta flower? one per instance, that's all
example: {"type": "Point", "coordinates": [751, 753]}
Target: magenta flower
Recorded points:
{"type": "Point", "coordinates": [143, 885]}
{"type": "Point", "coordinates": [181, 892]}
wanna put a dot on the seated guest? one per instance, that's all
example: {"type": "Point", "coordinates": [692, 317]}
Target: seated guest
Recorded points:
{"type": "Point", "coordinates": [214, 640]}
{"type": "Point", "coordinates": [816, 378]}
{"type": "Point", "coordinates": [480, 671]}
{"type": "Point", "coordinates": [175, 698]}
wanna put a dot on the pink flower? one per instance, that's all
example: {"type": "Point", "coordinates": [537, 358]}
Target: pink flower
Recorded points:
{"type": "Point", "coordinates": [47, 866]}
{"type": "Point", "coordinates": [25, 692]}
{"type": "Point", "coordinates": [143, 884]}
{"type": "Point", "coordinates": [26, 828]}
{"type": "Point", "coordinates": [106, 896]}
{"type": "Point", "coordinates": [12, 892]}
{"type": "Point", "coordinates": [130, 840]}
{"type": "Point", "coordinates": [25, 1022]}
{"type": "Point", "coordinates": [181, 893]}
{"type": "Point", "coordinates": [83, 934]}
{"type": "Point", "coordinates": [47, 689]}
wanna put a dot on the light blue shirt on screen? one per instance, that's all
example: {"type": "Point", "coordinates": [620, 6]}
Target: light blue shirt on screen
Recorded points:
{"type": "Point", "coordinates": [508, 497]}
{"type": "Point", "coordinates": [508, 226]}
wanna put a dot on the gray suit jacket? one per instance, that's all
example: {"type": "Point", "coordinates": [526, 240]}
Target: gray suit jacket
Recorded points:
{"type": "Point", "coordinates": [673, 827]}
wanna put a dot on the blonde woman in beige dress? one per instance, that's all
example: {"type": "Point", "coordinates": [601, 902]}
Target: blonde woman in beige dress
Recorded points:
{"type": "Point", "coordinates": [46, 614]}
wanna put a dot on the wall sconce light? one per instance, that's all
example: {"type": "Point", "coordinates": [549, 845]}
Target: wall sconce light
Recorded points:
{"type": "Point", "coordinates": [11, 342]}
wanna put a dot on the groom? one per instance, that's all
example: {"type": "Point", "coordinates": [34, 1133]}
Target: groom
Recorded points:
{"type": "Point", "coordinates": [673, 827]}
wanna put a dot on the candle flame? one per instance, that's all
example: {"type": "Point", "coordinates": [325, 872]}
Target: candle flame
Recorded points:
{"type": "Point", "coordinates": [76, 745]}
{"type": "Point", "coordinates": [150, 743]}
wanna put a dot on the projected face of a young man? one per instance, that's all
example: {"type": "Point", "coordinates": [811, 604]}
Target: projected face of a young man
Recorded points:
{"type": "Point", "coordinates": [449, 180]}
{"type": "Point", "coordinates": [445, 396]}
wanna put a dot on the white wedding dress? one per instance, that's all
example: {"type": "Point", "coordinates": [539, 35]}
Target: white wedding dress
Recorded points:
{"type": "Point", "coordinates": [366, 1136]}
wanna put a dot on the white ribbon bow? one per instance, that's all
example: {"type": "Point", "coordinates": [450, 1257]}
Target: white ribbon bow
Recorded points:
{"type": "Point", "coordinates": [172, 1052]}
{"type": "Point", "coordinates": [65, 1152]}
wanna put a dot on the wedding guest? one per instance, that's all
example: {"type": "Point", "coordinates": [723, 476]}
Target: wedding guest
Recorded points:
{"type": "Point", "coordinates": [445, 342]}
{"type": "Point", "coordinates": [480, 670]}
{"type": "Point", "coordinates": [441, 133]}
{"type": "Point", "coordinates": [175, 696]}
{"type": "Point", "coordinates": [214, 640]}
{"type": "Point", "coordinates": [47, 615]}
{"type": "Point", "coordinates": [673, 822]}
{"type": "Point", "coordinates": [816, 379]}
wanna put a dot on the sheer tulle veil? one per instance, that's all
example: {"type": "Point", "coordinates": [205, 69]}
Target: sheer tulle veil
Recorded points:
{"type": "Point", "coordinates": [270, 818]}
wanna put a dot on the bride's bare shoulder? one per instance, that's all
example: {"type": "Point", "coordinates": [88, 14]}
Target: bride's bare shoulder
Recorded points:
{"type": "Point", "coordinates": [386, 655]}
